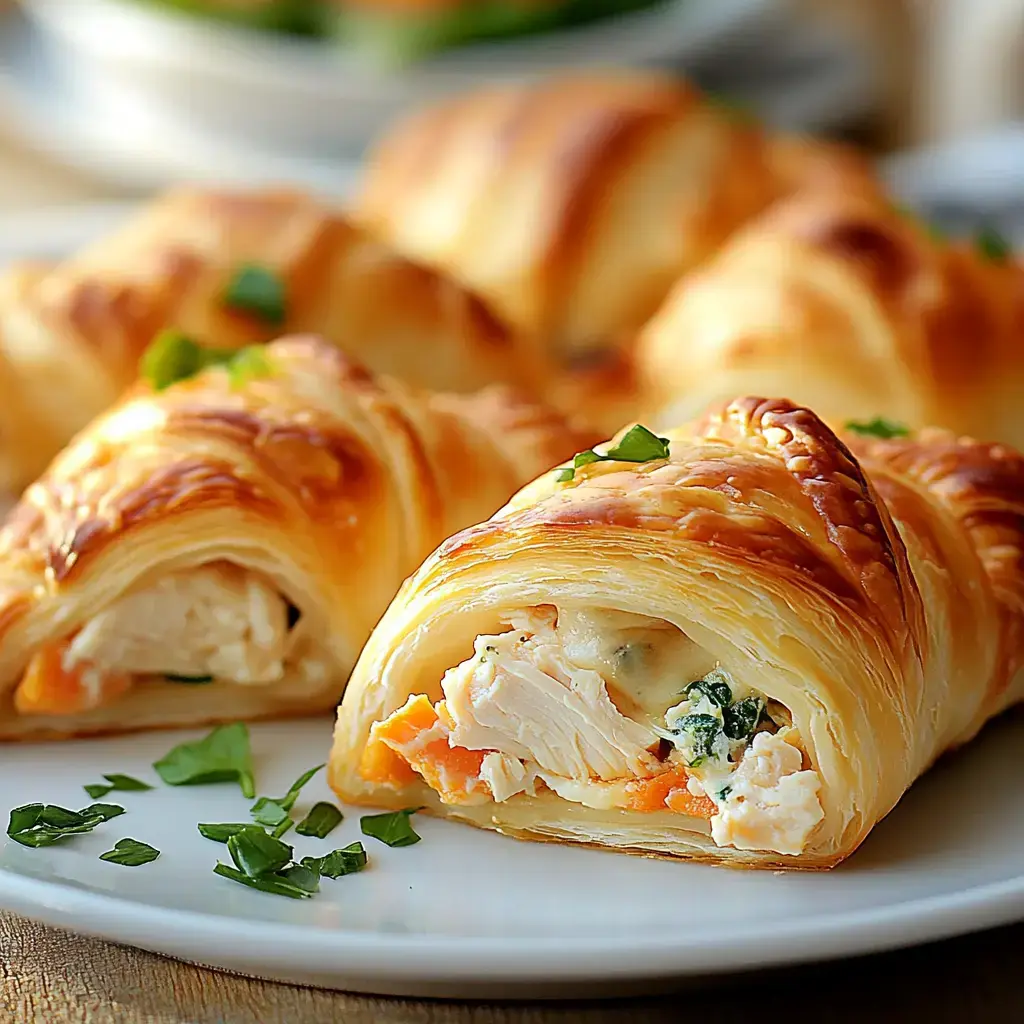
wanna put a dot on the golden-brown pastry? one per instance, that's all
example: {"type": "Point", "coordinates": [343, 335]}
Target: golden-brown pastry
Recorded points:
{"type": "Point", "coordinates": [241, 531]}
{"type": "Point", "coordinates": [853, 307]}
{"type": "Point", "coordinates": [72, 333]}
{"type": "Point", "coordinates": [572, 204]}
{"type": "Point", "coordinates": [740, 643]}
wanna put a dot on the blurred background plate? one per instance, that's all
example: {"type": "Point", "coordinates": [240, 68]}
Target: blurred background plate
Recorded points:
{"type": "Point", "coordinates": [142, 97]}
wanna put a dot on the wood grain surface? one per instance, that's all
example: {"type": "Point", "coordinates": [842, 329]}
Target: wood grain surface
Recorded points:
{"type": "Point", "coordinates": [48, 976]}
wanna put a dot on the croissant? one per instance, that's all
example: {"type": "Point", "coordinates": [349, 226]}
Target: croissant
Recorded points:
{"type": "Point", "coordinates": [571, 204]}
{"type": "Point", "coordinates": [240, 530]}
{"type": "Point", "coordinates": [853, 307]}
{"type": "Point", "coordinates": [739, 643]}
{"type": "Point", "coordinates": [71, 334]}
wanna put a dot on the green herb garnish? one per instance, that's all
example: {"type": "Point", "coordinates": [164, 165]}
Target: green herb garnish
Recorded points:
{"type": "Point", "coordinates": [174, 357]}
{"type": "Point", "coordinates": [638, 444]}
{"type": "Point", "coordinates": [222, 756]}
{"type": "Point", "coordinates": [878, 427]}
{"type": "Point", "coordinates": [274, 884]}
{"type": "Point", "coordinates": [346, 861]}
{"type": "Point", "coordinates": [992, 245]}
{"type": "Point", "coordinates": [123, 783]}
{"type": "Point", "coordinates": [392, 829]}
{"type": "Point", "coordinates": [130, 853]}
{"type": "Point", "coordinates": [724, 792]}
{"type": "Point", "coordinates": [256, 853]}
{"type": "Point", "coordinates": [268, 812]}
{"type": "Point", "coordinates": [36, 825]}
{"type": "Point", "coordinates": [321, 821]}
{"type": "Point", "coordinates": [302, 876]}
{"type": "Point", "coordinates": [740, 720]}
{"type": "Point", "coordinates": [275, 812]}
{"type": "Point", "coordinates": [717, 692]}
{"type": "Point", "coordinates": [257, 290]}
{"type": "Point", "coordinates": [221, 832]}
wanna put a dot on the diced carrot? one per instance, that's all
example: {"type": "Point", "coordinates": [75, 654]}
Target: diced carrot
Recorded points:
{"type": "Point", "coordinates": [452, 772]}
{"type": "Point", "coordinates": [667, 790]}
{"type": "Point", "coordinates": [48, 688]}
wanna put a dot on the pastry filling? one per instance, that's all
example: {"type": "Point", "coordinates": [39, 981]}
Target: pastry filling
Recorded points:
{"type": "Point", "coordinates": [613, 711]}
{"type": "Point", "coordinates": [215, 623]}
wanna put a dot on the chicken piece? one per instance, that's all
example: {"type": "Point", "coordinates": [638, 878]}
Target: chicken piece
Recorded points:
{"type": "Point", "coordinates": [522, 695]}
{"type": "Point", "coordinates": [215, 620]}
{"type": "Point", "coordinates": [771, 804]}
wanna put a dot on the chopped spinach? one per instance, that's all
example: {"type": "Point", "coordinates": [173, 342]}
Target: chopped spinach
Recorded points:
{"type": "Point", "coordinates": [740, 720]}
{"type": "Point", "coordinates": [703, 731]}
{"type": "Point", "coordinates": [715, 691]}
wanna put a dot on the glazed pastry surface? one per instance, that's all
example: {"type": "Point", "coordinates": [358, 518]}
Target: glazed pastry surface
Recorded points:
{"type": "Point", "coordinates": [743, 652]}
{"type": "Point", "coordinates": [241, 536]}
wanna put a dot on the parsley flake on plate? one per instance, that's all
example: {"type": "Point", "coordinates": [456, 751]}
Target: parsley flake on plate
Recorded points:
{"type": "Point", "coordinates": [115, 781]}
{"type": "Point", "coordinates": [392, 829]}
{"type": "Point", "coordinates": [321, 821]}
{"type": "Point", "coordinates": [130, 853]}
{"type": "Point", "coordinates": [222, 756]}
{"type": "Point", "coordinates": [36, 825]}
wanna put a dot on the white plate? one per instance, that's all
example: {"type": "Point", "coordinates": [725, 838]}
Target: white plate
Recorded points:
{"type": "Point", "coordinates": [466, 913]}
{"type": "Point", "coordinates": [471, 913]}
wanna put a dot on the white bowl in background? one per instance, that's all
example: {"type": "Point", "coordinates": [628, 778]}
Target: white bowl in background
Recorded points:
{"type": "Point", "coordinates": [152, 71]}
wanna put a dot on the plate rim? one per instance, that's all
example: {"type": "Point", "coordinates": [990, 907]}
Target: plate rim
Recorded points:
{"type": "Point", "coordinates": [461, 960]}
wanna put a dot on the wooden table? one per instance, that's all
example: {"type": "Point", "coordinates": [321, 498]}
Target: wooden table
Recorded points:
{"type": "Point", "coordinates": [50, 976]}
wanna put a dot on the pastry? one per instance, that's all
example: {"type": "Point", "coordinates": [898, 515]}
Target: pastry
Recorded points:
{"type": "Point", "coordinates": [219, 548]}
{"type": "Point", "coordinates": [737, 643]}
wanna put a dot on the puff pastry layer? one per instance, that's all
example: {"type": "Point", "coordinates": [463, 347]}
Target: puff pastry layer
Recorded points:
{"type": "Point", "coordinates": [742, 653]}
{"type": "Point", "coordinates": [572, 204]}
{"type": "Point", "coordinates": [71, 334]}
{"type": "Point", "coordinates": [250, 533]}
{"type": "Point", "coordinates": [845, 303]}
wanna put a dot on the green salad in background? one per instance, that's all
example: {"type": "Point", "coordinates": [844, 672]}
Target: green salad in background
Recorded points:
{"type": "Point", "coordinates": [401, 31]}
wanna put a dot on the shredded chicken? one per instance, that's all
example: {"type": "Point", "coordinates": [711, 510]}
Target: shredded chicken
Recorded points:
{"type": "Point", "coordinates": [520, 694]}
{"type": "Point", "coordinates": [772, 804]}
{"type": "Point", "coordinates": [215, 620]}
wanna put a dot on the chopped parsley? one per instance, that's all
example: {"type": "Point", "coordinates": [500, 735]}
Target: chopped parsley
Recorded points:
{"type": "Point", "coordinates": [222, 756]}
{"type": "Point", "coordinates": [173, 357]}
{"type": "Point", "coordinates": [392, 829]}
{"type": "Point", "coordinates": [992, 245]}
{"type": "Point", "coordinates": [321, 821]}
{"type": "Point", "coordinates": [268, 812]}
{"type": "Point", "coordinates": [346, 861]}
{"type": "Point", "coordinates": [256, 853]}
{"type": "Point", "coordinates": [275, 812]}
{"type": "Point", "coordinates": [878, 427]}
{"type": "Point", "coordinates": [36, 825]}
{"type": "Point", "coordinates": [637, 445]}
{"type": "Point", "coordinates": [221, 832]}
{"type": "Point", "coordinates": [122, 783]}
{"type": "Point", "coordinates": [130, 853]}
{"type": "Point", "coordinates": [257, 290]}
{"type": "Point", "coordinates": [277, 885]}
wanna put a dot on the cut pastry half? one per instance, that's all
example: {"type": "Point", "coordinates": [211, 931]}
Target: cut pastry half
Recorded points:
{"type": "Point", "coordinates": [739, 643]}
{"type": "Point", "coordinates": [220, 549]}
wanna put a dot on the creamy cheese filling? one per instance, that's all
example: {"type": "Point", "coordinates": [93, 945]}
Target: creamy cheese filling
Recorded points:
{"type": "Point", "coordinates": [619, 711]}
{"type": "Point", "coordinates": [212, 623]}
